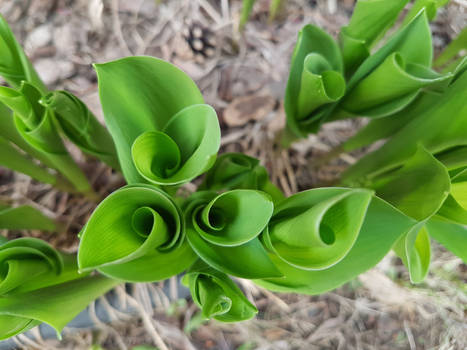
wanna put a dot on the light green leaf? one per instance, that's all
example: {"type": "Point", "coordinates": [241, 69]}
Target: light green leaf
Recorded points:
{"type": "Point", "coordinates": [389, 87]}
{"type": "Point", "coordinates": [55, 305]}
{"type": "Point", "coordinates": [382, 226]}
{"type": "Point", "coordinates": [454, 49]}
{"type": "Point", "coordinates": [217, 295]}
{"type": "Point", "coordinates": [14, 65]}
{"type": "Point", "coordinates": [430, 129]}
{"type": "Point", "coordinates": [418, 189]}
{"type": "Point", "coordinates": [140, 94]}
{"type": "Point", "coordinates": [37, 128]}
{"type": "Point", "coordinates": [452, 236]}
{"type": "Point", "coordinates": [239, 171]}
{"type": "Point", "coordinates": [314, 230]}
{"type": "Point", "coordinates": [186, 147]}
{"type": "Point", "coordinates": [223, 230]}
{"type": "Point", "coordinates": [11, 157]}
{"type": "Point", "coordinates": [369, 21]}
{"type": "Point", "coordinates": [25, 218]}
{"type": "Point", "coordinates": [135, 227]}
{"type": "Point", "coordinates": [430, 6]}
{"type": "Point", "coordinates": [316, 52]}
{"type": "Point", "coordinates": [81, 126]}
{"type": "Point", "coordinates": [247, 7]}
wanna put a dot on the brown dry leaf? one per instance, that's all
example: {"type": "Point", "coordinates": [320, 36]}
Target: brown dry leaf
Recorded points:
{"type": "Point", "coordinates": [247, 108]}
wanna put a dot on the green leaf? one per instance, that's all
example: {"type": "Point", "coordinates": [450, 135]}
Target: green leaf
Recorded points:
{"type": "Point", "coordinates": [25, 218]}
{"type": "Point", "coordinates": [239, 171]}
{"type": "Point", "coordinates": [140, 94]}
{"type": "Point", "coordinates": [382, 226]}
{"type": "Point", "coordinates": [37, 128]}
{"type": "Point", "coordinates": [381, 128]}
{"type": "Point", "coordinates": [14, 65]}
{"type": "Point", "coordinates": [186, 147]}
{"type": "Point", "coordinates": [430, 6]}
{"type": "Point", "coordinates": [11, 157]}
{"type": "Point", "coordinates": [452, 236]}
{"type": "Point", "coordinates": [217, 295]}
{"type": "Point", "coordinates": [135, 227]}
{"type": "Point", "coordinates": [430, 129]}
{"type": "Point", "coordinates": [418, 189]}
{"type": "Point", "coordinates": [247, 7]}
{"type": "Point", "coordinates": [389, 87]}
{"type": "Point", "coordinates": [369, 21]}
{"type": "Point", "coordinates": [314, 230]}
{"type": "Point", "coordinates": [454, 49]}
{"type": "Point", "coordinates": [223, 230]}
{"type": "Point", "coordinates": [315, 73]}
{"type": "Point", "coordinates": [55, 305]}
{"type": "Point", "coordinates": [81, 126]}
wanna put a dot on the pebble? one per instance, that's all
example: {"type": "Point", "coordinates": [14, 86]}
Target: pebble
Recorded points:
{"type": "Point", "coordinates": [39, 37]}
{"type": "Point", "coordinates": [51, 70]}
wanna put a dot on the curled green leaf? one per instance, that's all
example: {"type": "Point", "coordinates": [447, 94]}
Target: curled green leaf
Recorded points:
{"type": "Point", "coordinates": [186, 147]}
{"type": "Point", "coordinates": [36, 126]}
{"type": "Point", "coordinates": [239, 171]}
{"type": "Point", "coordinates": [223, 230]}
{"type": "Point", "coordinates": [81, 126]}
{"type": "Point", "coordinates": [313, 231]}
{"type": "Point", "coordinates": [401, 83]}
{"type": "Point", "coordinates": [135, 227]}
{"type": "Point", "coordinates": [315, 79]}
{"type": "Point", "coordinates": [369, 21]}
{"type": "Point", "coordinates": [217, 295]}
{"type": "Point", "coordinates": [382, 226]}
{"type": "Point", "coordinates": [138, 95]}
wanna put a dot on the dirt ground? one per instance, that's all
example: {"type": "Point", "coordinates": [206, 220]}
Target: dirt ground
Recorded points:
{"type": "Point", "coordinates": [243, 76]}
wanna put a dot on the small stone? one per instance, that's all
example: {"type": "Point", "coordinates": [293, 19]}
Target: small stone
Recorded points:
{"type": "Point", "coordinates": [51, 70]}
{"type": "Point", "coordinates": [39, 37]}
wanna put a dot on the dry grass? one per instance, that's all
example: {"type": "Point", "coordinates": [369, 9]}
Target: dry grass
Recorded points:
{"type": "Point", "coordinates": [379, 310]}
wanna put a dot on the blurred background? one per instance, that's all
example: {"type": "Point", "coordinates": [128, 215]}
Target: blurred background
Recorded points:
{"type": "Point", "coordinates": [243, 75]}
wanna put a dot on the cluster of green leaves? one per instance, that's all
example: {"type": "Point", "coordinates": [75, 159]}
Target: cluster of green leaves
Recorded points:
{"type": "Point", "coordinates": [35, 121]}
{"type": "Point", "coordinates": [39, 284]}
{"type": "Point", "coordinates": [420, 168]}
{"type": "Point", "coordinates": [238, 224]}
{"type": "Point", "coordinates": [331, 80]}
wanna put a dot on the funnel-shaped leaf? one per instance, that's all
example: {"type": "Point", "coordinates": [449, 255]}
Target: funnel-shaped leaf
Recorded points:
{"type": "Point", "coordinates": [24, 218]}
{"type": "Point", "coordinates": [313, 231]}
{"type": "Point", "coordinates": [140, 94]}
{"type": "Point", "coordinates": [315, 79]}
{"type": "Point", "coordinates": [217, 295]}
{"type": "Point", "coordinates": [223, 230]}
{"type": "Point", "coordinates": [382, 226]}
{"type": "Point", "coordinates": [186, 147]}
{"type": "Point", "coordinates": [239, 171]}
{"type": "Point", "coordinates": [369, 21]}
{"type": "Point", "coordinates": [81, 126]}
{"type": "Point", "coordinates": [134, 228]}
{"type": "Point", "coordinates": [14, 65]}
{"type": "Point", "coordinates": [55, 305]}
